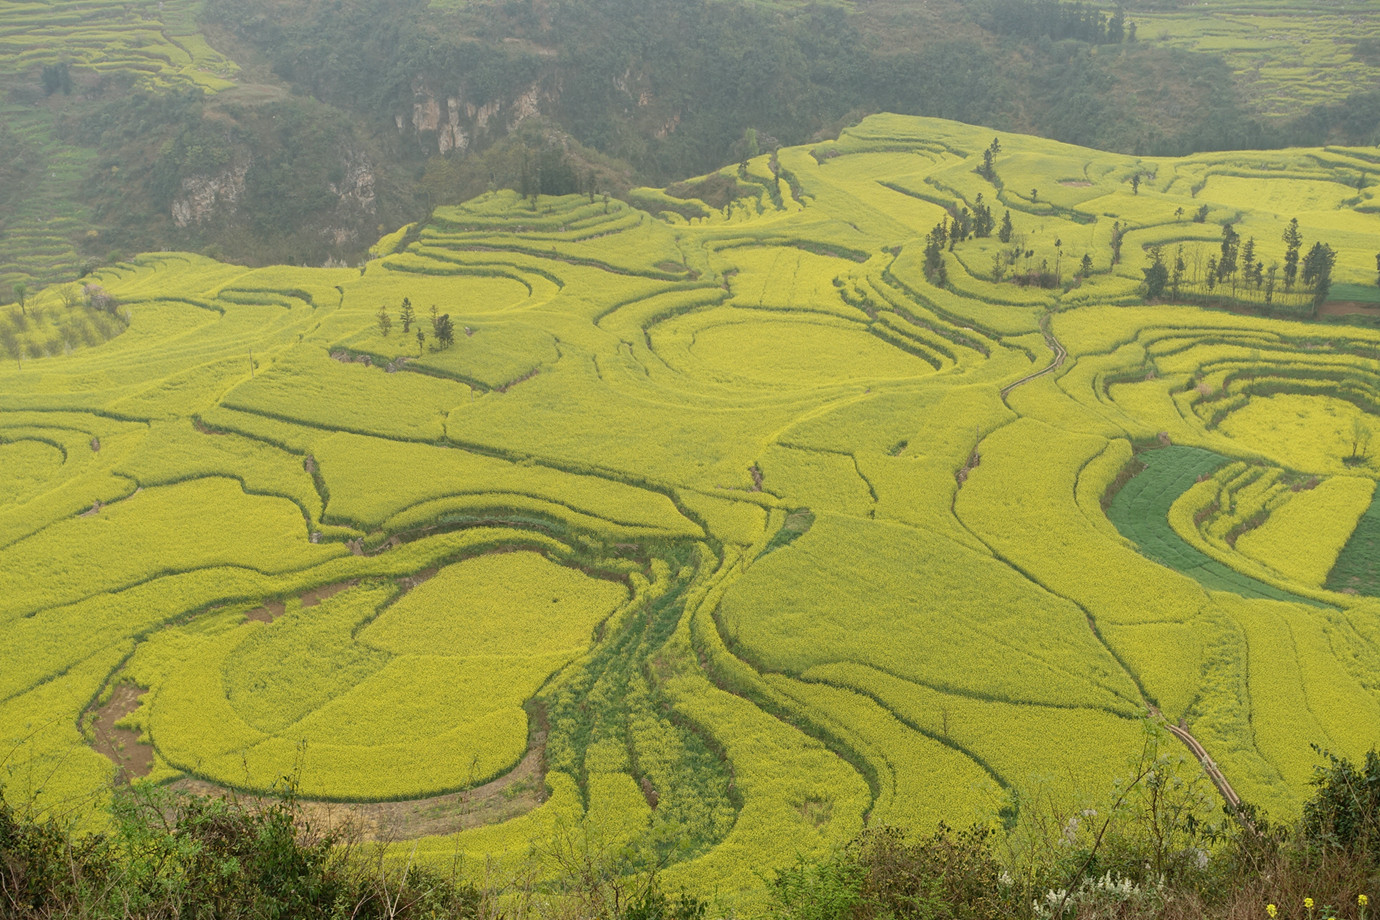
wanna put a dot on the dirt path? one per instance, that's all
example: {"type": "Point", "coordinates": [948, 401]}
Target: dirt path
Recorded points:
{"type": "Point", "coordinates": [519, 791]}
{"type": "Point", "coordinates": [1060, 355]}
{"type": "Point", "coordinates": [272, 610]}
{"type": "Point", "coordinates": [1179, 731]}
{"type": "Point", "coordinates": [121, 745]}
{"type": "Point", "coordinates": [1209, 765]}
{"type": "Point", "coordinates": [1349, 308]}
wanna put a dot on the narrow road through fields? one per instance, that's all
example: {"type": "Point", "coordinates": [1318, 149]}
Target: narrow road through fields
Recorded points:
{"type": "Point", "coordinates": [1178, 731]}
{"type": "Point", "coordinates": [1060, 356]}
{"type": "Point", "coordinates": [1209, 765]}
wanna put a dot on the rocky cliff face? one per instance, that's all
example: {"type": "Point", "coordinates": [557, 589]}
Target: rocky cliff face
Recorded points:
{"type": "Point", "coordinates": [203, 198]}
{"type": "Point", "coordinates": [345, 219]}
{"type": "Point", "coordinates": [352, 222]}
{"type": "Point", "coordinates": [446, 122]}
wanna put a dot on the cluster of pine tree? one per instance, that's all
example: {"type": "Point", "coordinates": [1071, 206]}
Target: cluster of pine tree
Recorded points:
{"type": "Point", "coordinates": [1056, 20]}
{"type": "Point", "coordinates": [442, 329]}
{"type": "Point", "coordinates": [1236, 273]}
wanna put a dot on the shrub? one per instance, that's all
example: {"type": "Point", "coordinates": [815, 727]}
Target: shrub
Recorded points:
{"type": "Point", "coordinates": [1344, 813]}
{"type": "Point", "coordinates": [948, 874]}
{"type": "Point", "coordinates": [170, 855]}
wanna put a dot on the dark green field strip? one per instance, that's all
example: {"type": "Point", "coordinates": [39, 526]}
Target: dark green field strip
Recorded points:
{"type": "Point", "coordinates": [1141, 512]}
{"type": "Point", "coordinates": [611, 698]}
{"type": "Point", "coordinates": [1357, 293]}
{"type": "Point", "coordinates": [1358, 565]}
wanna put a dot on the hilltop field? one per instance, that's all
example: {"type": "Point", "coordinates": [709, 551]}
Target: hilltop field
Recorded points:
{"type": "Point", "coordinates": [723, 524]}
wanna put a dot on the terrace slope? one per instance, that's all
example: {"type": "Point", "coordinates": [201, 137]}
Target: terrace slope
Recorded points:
{"type": "Point", "coordinates": [748, 526]}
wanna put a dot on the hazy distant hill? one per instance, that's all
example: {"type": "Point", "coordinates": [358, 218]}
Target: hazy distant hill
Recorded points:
{"type": "Point", "coordinates": [291, 130]}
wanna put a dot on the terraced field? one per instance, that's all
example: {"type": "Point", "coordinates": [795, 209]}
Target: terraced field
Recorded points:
{"type": "Point", "coordinates": [735, 532]}
{"type": "Point", "coordinates": [155, 45]}
{"type": "Point", "coordinates": [1286, 57]}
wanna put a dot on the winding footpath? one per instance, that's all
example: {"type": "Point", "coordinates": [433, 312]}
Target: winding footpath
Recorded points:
{"type": "Point", "coordinates": [1179, 731]}
{"type": "Point", "coordinates": [1060, 356]}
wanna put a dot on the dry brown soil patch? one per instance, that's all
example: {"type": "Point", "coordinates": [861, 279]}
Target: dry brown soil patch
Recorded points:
{"type": "Point", "coordinates": [513, 794]}
{"type": "Point", "coordinates": [269, 612]}
{"type": "Point", "coordinates": [121, 745]}
{"type": "Point", "coordinates": [1349, 308]}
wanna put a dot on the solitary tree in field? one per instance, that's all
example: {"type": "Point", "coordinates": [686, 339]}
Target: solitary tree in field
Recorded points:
{"type": "Point", "coordinates": [1156, 275]}
{"type": "Point", "coordinates": [1085, 267]}
{"type": "Point", "coordinates": [421, 342]}
{"type": "Point", "coordinates": [445, 332]}
{"type": "Point", "coordinates": [1178, 213]}
{"type": "Point", "coordinates": [1116, 28]}
{"type": "Point", "coordinates": [988, 169]}
{"type": "Point", "coordinates": [935, 272]}
{"type": "Point", "coordinates": [1200, 215]}
{"type": "Point", "coordinates": [1176, 277]}
{"type": "Point", "coordinates": [1292, 241]}
{"type": "Point", "coordinates": [1118, 232]}
{"type": "Point", "coordinates": [407, 315]}
{"type": "Point", "coordinates": [962, 228]}
{"type": "Point", "coordinates": [1270, 274]}
{"type": "Point", "coordinates": [1360, 441]}
{"type": "Point", "coordinates": [1135, 183]}
{"type": "Point", "coordinates": [1248, 259]}
{"type": "Point", "coordinates": [1226, 265]}
{"type": "Point", "coordinates": [983, 221]}
{"type": "Point", "coordinates": [1317, 271]}
{"type": "Point", "coordinates": [21, 291]}
{"type": "Point", "coordinates": [1004, 234]}
{"type": "Point", "coordinates": [385, 321]}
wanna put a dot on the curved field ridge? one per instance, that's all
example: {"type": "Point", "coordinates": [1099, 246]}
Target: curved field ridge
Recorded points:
{"type": "Point", "coordinates": [728, 535]}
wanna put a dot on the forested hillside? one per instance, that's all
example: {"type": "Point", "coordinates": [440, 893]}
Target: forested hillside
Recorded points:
{"type": "Point", "coordinates": [293, 130]}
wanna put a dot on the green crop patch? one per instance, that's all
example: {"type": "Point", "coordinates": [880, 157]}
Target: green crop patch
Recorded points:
{"type": "Point", "coordinates": [1358, 565]}
{"type": "Point", "coordinates": [1141, 512]}
{"type": "Point", "coordinates": [730, 528]}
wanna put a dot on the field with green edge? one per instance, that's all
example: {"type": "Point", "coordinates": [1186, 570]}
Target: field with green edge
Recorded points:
{"type": "Point", "coordinates": [737, 532]}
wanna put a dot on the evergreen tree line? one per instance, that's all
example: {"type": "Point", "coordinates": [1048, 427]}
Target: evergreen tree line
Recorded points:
{"type": "Point", "coordinates": [1058, 20]}
{"type": "Point", "coordinates": [1238, 273]}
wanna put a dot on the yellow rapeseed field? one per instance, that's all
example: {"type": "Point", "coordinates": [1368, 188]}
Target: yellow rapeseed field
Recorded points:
{"type": "Point", "coordinates": [738, 530]}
